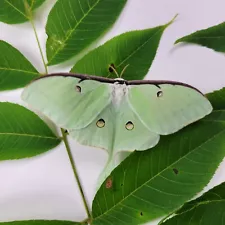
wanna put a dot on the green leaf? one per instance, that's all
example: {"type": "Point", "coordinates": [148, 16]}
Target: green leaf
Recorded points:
{"type": "Point", "coordinates": [206, 210]}
{"type": "Point", "coordinates": [17, 11]}
{"type": "Point", "coordinates": [153, 183]}
{"type": "Point", "coordinates": [74, 24]}
{"type": "Point", "coordinates": [215, 194]}
{"type": "Point", "coordinates": [213, 37]}
{"type": "Point", "coordinates": [136, 49]}
{"type": "Point", "coordinates": [217, 99]}
{"type": "Point", "coordinates": [15, 70]}
{"type": "Point", "coordinates": [42, 222]}
{"type": "Point", "coordinates": [22, 133]}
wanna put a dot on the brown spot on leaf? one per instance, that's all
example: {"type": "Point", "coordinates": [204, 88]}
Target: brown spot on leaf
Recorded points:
{"type": "Point", "coordinates": [109, 183]}
{"type": "Point", "coordinates": [175, 171]}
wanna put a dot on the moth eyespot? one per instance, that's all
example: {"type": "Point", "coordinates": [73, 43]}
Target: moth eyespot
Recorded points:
{"type": "Point", "coordinates": [100, 123]}
{"type": "Point", "coordinates": [159, 94]}
{"type": "Point", "coordinates": [129, 125]}
{"type": "Point", "coordinates": [78, 88]}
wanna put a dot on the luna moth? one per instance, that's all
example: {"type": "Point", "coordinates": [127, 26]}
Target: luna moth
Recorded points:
{"type": "Point", "coordinates": [116, 114]}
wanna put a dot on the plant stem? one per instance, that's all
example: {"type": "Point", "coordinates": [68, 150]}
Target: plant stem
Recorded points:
{"type": "Point", "coordinates": [39, 45]}
{"type": "Point", "coordinates": [64, 136]}
{"type": "Point", "coordinates": [65, 140]}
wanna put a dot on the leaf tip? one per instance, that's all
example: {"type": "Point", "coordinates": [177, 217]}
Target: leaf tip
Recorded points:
{"type": "Point", "coordinates": [174, 18]}
{"type": "Point", "coordinates": [182, 39]}
{"type": "Point", "coordinates": [177, 41]}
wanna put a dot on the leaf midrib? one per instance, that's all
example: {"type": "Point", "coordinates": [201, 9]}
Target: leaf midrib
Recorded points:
{"type": "Point", "coordinates": [72, 31]}
{"type": "Point", "coordinates": [202, 37]}
{"type": "Point", "coordinates": [19, 70]}
{"type": "Point", "coordinates": [28, 135]}
{"type": "Point", "coordinates": [152, 178]}
{"type": "Point", "coordinates": [198, 204]}
{"type": "Point", "coordinates": [204, 203]}
{"type": "Point", "coordinates": [17, 9]}
{"type": "Point", "coordinates": [137, 49]}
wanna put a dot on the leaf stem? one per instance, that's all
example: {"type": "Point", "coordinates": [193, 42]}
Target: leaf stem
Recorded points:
{"type": "Point", "coordinates": [39, 45]}
{"type": "Point", "coordinates": [64, 136]}
{"type": "Point", "coordinates": [65, 140]}
{"type": "Point", "coordinates": [85, 221]}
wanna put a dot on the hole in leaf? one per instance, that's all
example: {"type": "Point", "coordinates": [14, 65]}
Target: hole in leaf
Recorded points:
{"type": "Point", "coordinates": [175, 171]}
{"type": "Point", "coordinates": [110, 68]}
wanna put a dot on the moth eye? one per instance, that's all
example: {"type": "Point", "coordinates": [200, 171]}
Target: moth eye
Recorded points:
{"type": "Point", "coordinates": [159, 94]}
{"type": "Point", "coordinates": [129, 125]}
{"type": "Point", "coordinates": [100, 123]}
{"type": "Point", "coordinates": [78, 88]}
{"type": "Point", "coordinates": [111, 67]}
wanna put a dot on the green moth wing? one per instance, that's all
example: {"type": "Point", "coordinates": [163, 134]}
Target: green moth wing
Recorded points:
{"type": "Point", "coordinates": [68, 102]}
{"type": "Point", "coordinates": [168, 107]}
{"type": "Point", "coordinates": [116, 129]}
{"type": "Point", "coordinates": [115, 114]}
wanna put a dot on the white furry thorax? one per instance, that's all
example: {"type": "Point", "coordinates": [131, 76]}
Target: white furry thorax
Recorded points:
{"type": "Point", "coordinates": [119, 92]}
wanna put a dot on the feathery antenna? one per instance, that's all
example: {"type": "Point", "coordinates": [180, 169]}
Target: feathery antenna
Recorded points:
{"type": "Point", "coordinates": [123, 70]}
